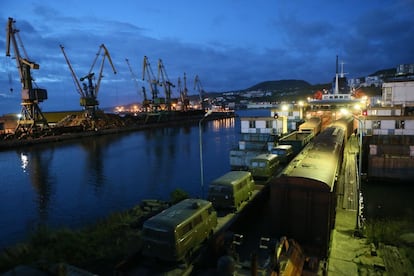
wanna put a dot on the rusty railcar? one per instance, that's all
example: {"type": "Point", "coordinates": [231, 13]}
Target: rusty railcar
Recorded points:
{"type": "Point", "coordinates": [303, 199]}
{"type": "Point", "coordinates": [313, 125]}
{"type": "Point", "coordinates": [347, 123]}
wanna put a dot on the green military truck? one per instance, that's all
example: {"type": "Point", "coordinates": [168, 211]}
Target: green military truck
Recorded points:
{"type": "Point", "coordinates": [177, 232]}
{"type": "Point", "coordinates": [231, 190]}
{"type": "Point", "coordinates": [263, 167]}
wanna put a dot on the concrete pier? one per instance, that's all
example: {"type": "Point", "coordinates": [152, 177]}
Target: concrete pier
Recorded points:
{"type": "Point", "coordinates": [349, 252]}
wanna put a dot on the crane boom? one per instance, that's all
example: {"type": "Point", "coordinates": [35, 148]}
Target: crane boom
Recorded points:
{"type": "Point", "coordinates": [75, 78]}
{"type": "Point", "coordinates": [134, 77]}
{"type": "Point", "coordinates": [145, 102]}
{"type": "Point", "coordinates": [199, 88]}
{"type": "Point", "coordinates": [100, 76]}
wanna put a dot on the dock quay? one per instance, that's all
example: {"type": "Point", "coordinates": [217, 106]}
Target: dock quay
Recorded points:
{"type": "Point", "coordinates": [128, 124]}
{"type": "Point", "coordinates": [349, 252]}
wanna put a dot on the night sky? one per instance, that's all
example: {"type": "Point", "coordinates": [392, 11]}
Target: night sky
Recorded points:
{"type": "Point", "coordinates": [229, 44]}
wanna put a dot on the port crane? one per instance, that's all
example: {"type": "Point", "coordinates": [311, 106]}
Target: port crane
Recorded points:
{"type": "Point", "coordinates": [153, 84]}
{"type": "Point", "coordinates": [198, 87]}
{"type": "Point", "coordinates": [183, 93]}
{"type": "Point", "coordinates": [164, 81]}
{"type": "Point", "coordinates": [89, 89]}
{"type": "Point", "coordinates": [31, 119]}
{"type": "Point", "coordinates": [145, 102]}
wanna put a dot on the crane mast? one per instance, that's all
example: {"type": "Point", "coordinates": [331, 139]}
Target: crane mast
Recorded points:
{"type": "Point", "coordinates": [180, 89]}
{"type": "Point", "coordinates": [198, 87]}
{"type": "Point", "coordinates": [184, 95]}
{"type": "Point", "coordinates": [31, 118]}
{"type": "Point", "coordinates": [153, 83]}
{"type": "Point", "coordinates": [164, 81]}
{"type": "Point", "coordinates": [145, 102]}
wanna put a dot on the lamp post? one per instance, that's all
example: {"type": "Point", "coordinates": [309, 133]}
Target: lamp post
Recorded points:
{"type": "Point", "coordinates": [200, 136]}
{"type": "Point", "coordinates": [359, 169]}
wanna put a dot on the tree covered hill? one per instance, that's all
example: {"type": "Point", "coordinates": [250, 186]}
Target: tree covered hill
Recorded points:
{"type": "Point", "coordinates": [278, 85]}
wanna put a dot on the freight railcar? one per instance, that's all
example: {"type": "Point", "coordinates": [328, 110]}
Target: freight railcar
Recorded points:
{"type": "Point", "coordinates": [313, 125]}
{"type": "Point", "coordinates": [303, 199]}
{"type": "Point", "coordinates": [300, 138]}
{"type": "Point", "coordinates": [347, 123]}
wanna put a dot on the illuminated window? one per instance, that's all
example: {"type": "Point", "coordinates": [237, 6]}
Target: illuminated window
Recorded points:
{"type": "Point", "coordinates": [399, 124]}
{"type": "Point", "coordinates": [376, 124]}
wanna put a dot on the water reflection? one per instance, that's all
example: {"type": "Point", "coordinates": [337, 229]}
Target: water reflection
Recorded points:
{"type": "Point", "coordinates": [94, 162]}
{"type": "Point", "coordinates": [223, 123]}
{"type": "Point", "coordinates": [388, 200]}
{"type": "Point", "coordinates": [37, 165]}
{"type": "Point", "coordinates": [162, 148]}
{"type": "Point", "coordinates": [95, 159]}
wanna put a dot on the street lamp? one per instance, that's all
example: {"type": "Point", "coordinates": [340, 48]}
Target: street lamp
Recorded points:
{"type": "Point", "coordinates": [301, 105]}
{"type": "Point", "coordinates": [200, 136]}
{"type": "Point", "coordinates": [360, 128]}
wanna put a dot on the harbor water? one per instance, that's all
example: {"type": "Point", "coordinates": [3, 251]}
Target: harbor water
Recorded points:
{"type": "Point", "coordinates": [76, 183]}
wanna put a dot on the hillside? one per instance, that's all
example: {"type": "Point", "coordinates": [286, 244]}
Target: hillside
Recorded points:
{"type": "Point", "coordinates": [278, 85]}
{"type": "Point", "coordinates": [385, 73]}
{"type": "Point", "coordinates": [286, 90]}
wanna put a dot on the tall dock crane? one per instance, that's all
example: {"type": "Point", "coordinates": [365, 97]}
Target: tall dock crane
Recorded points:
{"type": "Point", "coordinates": [164, 81]}
{"type": "Point", "coordinates": [184, 93]}
{"type": "Point", "coordinates": [32, 119]}
{"type": "Point", "coordinates": [89, 90]}
{"type": "Point", "coordinates": [153, 84]}
{"type": "Point", "coordinates": [145, 102]}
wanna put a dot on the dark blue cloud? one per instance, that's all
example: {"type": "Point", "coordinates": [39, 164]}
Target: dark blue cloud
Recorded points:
{"type": "Point", "coordinates": [230, 48]}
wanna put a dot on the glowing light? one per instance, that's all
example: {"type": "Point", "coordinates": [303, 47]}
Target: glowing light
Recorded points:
{"type": "Point", "coordinates": [25, 161]}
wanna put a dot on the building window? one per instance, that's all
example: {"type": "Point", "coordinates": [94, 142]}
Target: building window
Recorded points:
{"type": "Point", "coordinates": [252, 124]}
{"type": "Point", "coordinates": [269, 124]}
{"type": "Point", "coordinates": [376, 124]}
{"type": "Point", "coordinates": [399, 124]}
{"type": "Point", "coordinates": [387, 94]}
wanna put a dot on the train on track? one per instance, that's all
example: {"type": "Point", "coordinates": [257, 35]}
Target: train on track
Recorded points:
{"type": "Point", "coordinates": [298, 203]}
{"type": "Point", "coordinates": [303, 198]}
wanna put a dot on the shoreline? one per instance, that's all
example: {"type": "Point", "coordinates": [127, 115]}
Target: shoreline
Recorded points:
{"type": "Point", "coordinates": [135, 126]}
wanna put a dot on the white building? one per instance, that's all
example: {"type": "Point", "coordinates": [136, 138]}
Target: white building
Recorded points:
{"type": "Point", "coordinates": [257, 136]}
{"type": "Point", "coordinates": [404, 69]}
{"type": "Point", "coordinates": [372, 81]}
{"type": "Point", "coordinates": [398, 93]}
{"type": "Point", "coordinates": [388, 131]}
